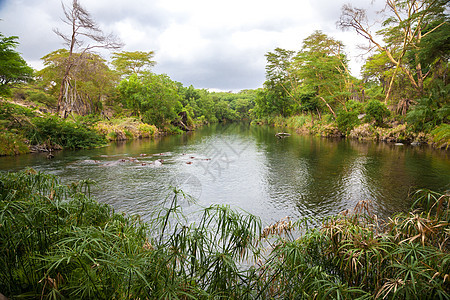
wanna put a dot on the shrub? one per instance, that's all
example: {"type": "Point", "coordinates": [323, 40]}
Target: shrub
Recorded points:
{"type": "Point", "coordinates": [147, 130]}
{"type": "Point", "coordinates": [12, 144]}
{"type": "Point", "coordinates": [376, 110]}
{"type": "Point", "coordinates": [58, 243]}
{"type": "Point", "coordinates": [427, 114]}
{"type": "Point", "coordinates": [41, 97]}
{"type": "Point", "coordinates": [356, 106]}
{"type": "Point", "coordinates": [55, 131]}
{"type": "Point", "coordinates": [441, 136]}
{"type": "Point", "coordinates": [346, 121]}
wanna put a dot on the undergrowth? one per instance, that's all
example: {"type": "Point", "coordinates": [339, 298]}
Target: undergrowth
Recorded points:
{"type": "Point", "coordinates": [56, 242]}
{"type": "Point", "coordinates": [22, 126]}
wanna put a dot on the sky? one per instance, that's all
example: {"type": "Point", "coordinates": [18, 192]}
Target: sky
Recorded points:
{"type": "Point", "coordinates": [217, 45]}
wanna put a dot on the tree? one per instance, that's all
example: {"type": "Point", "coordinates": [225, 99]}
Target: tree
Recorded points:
{"type": "Point", "coordinates": [322, 70]}
{"type": "Point", "coordinates": [83, 29]}
{"type": "Point", "coordinates": [313, 79]}
{"type": "Point", "coordinates": [276, 98]}
{"type": "Point", "coordinates": [137, 62]}
{"type": "Point", "coordinates": [13, 68]}
{"type": "Point", "coordinates": [92, 78]}
{"type": "Point", "coordinates": [153, 97]}
{"type": "Point", "coordinates": [376, 110]}
{"type": "Point", "coordinates": [408, 23]}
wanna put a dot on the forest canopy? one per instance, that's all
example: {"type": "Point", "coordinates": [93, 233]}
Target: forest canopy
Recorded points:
{"type": "Point", "coordinates": [404, 79]}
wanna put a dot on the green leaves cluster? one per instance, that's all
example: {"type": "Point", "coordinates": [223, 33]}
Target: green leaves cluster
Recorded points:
{"type": "Point", "coordinates": [54, 131]}
{"type": "Point", "coordinates": [153, 97]}
{"type": "Point", "coordinates": [13, 68]}
{"type": "Point", "coordinates": [377, 111]}
{"type": "Point", "coordinates": [314, 80]}
{"type": "Point", "coordinates": [55, 242]}
{"type": "Point", "coordinates": [137, 62]}
{"type": "Point", "coordinates": [24, 124]}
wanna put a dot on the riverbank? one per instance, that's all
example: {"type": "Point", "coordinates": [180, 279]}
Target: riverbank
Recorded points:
{"type": "Point", "coordinates": [391, 132]}
{"type": "Point", "coordinates": [28, 129]}
{"type": "Point", "coordinates": [59, 242]}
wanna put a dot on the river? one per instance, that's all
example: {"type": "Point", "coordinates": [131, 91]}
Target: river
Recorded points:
{"type": "Point", "coordinates": [247, 167]}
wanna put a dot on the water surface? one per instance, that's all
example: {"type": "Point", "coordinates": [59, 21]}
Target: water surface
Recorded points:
{"type": "Point", "coordinates": [247, 167]}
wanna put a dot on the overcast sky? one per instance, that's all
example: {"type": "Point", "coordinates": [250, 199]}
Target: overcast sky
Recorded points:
{"type": "Point", "coordinates": [219, 45]}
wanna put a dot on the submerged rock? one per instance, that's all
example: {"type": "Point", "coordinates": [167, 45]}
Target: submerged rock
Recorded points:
{"type": "Point", "coordinates": [282, 135]}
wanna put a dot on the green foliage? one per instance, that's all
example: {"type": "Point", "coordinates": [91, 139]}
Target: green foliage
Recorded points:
{"type": "Point", "coordinates": [153, 96]}
{"type": "Point", "coordinates": [56, 242]}
{"type": "Point", "coordinates": [13, 68]}
{"type": "Point", "coordinates": [12, 144]}
{"type": "Point", "coordinates": [441, 136]}
{"type": "Point", "coordinates": [355, 106]}
{"type": "Point", "coordinates": [314, 79]}
{"type": "Point", "coordinates": [67, 134]}
{"type": "Point", "coordinates": [44, 98]}
{"type": "Point", "coordinates": [147, 130]}
{"type": "Point", "coordinates": [271, 102]}
{"type": "Point", "coordinates": [13, 113]}
{"type": "Point", "coordinates": [297, 121]}
{"type": "Point", "coordinates": [321, 67]}
{"type": "Point", "coordinates": [137, 62]}
{"type": "Point", "coordinates": [90, 78]}
{"type": "Point", "coordinates": [431, 110]}
{"type": "Point", "coordinates": [377, 111]}
{"type": "Point", "coordinates": [347, 120]}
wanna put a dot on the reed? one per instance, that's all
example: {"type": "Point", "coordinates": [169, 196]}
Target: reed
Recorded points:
{"type": "Point", "coordinates": [57, 242]}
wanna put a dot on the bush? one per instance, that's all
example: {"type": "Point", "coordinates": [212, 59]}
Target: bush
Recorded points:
{"type": "Point", "coordinates": [40, 97]}
{"type": "Point", "coordinates": [147, 130]}
{"type": "Point", "coordinates": [355, 106]}
{"type": "Point", "coordinates": [58, 243]}
{"type": "Point", "coordinates": [55, 131]}
{"type": "Point", "coordinates": [441, 136]}
{"type": "Point", "coordinates": [376, 110]}
{"type": "Point", "coordinates": [427, 114]}
{"type": "Point", "coordinates": [346, 121]}
{"type": "Point", "coordinates": [12, 144]}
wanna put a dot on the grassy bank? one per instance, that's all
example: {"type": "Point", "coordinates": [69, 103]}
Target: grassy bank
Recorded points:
{"type": "Point", "coordinates": [391, 131]}
{"type": "Point", "coordinates": [25, 129]}
{"type": "Point", "coordinates": [57, 242]}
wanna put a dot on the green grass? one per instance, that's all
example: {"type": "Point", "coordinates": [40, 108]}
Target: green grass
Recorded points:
{"type": "Point", "coordinates": [441, 136]}
{"type": "Point", "coordinates": [20, 123]}
{"type": "Point", "coordinates": [12, 144]}
{"type": "Point", "coordinates": [57, 242]}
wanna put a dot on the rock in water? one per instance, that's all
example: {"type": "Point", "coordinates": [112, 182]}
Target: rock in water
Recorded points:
{"type": "Point", "coordinates": [281, 135]}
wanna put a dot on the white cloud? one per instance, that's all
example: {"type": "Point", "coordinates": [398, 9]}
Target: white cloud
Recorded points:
{"type": "Point", "coordinates": [210, 44]}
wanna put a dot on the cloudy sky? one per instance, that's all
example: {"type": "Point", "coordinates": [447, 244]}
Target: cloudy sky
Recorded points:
{"type": "Point", "coordinates": [219, 45]}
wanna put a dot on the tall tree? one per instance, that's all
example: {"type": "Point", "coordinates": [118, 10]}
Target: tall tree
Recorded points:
{"type": "Point", "coordinates": [136, 62]}
{"type": "Point", "coordinates": [85, 36]}
{"type": "Point", "coordinates": [13, 68]}
{"type": "Point", "coordinates": [408, 22]}
{"type": "Point", "coordinates": [280, 81]}
{"type": "Point", "coordinates": [92, 78]}
{"type": "Point", "coordinates": [153, 97]}
{"type": "Point", "coordinates": [321, 67]}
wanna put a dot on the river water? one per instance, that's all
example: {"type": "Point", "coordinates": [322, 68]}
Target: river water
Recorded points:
{"type": "Point", "coordinates": [248, 168]}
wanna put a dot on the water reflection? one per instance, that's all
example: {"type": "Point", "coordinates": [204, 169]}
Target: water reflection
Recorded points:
{"type": "Point", "coordinates": [248, 167]}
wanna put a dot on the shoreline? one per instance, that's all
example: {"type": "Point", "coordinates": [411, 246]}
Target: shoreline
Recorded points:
{"type": "Point", "coordinates": [394, 132]}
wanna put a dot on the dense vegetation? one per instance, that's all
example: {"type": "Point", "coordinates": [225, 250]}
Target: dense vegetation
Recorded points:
{"type": "Point", "coordinates": [403, 94]}
{"type": "Point", "coordinates": [56, 241]}
{"type": "Point", "coordinates": [404, 80]}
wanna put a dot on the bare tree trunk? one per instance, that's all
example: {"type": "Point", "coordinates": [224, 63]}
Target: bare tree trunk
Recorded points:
{"type": "Point", "coordinates": [82, 24]}
{"type": "Point", "coordinates": [329, 107]}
